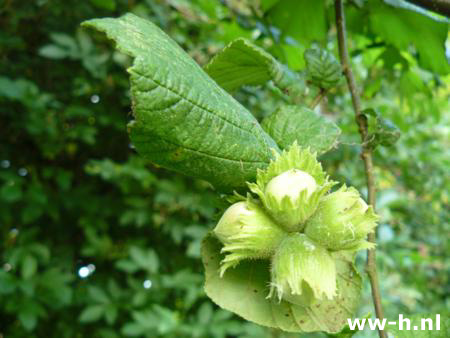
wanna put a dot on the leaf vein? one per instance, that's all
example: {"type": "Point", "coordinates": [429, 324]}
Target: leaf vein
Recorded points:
{"type": "Point", "coordinates": [195, 104]}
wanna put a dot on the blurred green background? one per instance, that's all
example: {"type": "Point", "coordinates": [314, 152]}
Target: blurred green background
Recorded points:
{"type": "Point", "coordinates": [96, 242]}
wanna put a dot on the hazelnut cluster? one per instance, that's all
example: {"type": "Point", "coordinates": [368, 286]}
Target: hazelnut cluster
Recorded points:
{"type": "Point", "coordinates": [293, 220]}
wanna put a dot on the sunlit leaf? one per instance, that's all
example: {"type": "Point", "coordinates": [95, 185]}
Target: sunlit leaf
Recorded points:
{"type": "Point", "coordinates": [243, 63]}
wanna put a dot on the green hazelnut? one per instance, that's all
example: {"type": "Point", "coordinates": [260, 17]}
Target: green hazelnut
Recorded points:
{"type": "Point", "coordinates": [290, 184]}
{"type": "Point", "coordinates": [247, 232]}
{"type": "Point", "coordinates": [342, 221]}
{"type": "Point", "coordinates": [291, 187]}
{"type": "Point", "coordinates": [301, 266]}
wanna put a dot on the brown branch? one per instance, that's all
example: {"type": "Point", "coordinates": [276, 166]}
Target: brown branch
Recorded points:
{"type": "Point", "coordinates": [438, 6]}
{"type": "Point", "coordinates": [366, 153]}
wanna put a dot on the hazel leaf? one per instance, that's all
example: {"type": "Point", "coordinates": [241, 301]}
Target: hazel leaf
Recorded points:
{"type": "Point", "coordinates": [184, 121]}
{"type": "Point", "coordinates": [244, 290]}
{"type": "Point", "coordinates": [323, 69]}
{"type": "Point", "coordinates": [382, 131]}
{"type": "Point", "coordinates": [291, 123]}
{"type": "Point", "coordinates": [243, 63]}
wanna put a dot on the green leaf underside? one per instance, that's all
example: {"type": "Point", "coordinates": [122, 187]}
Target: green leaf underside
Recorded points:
{"type": "Point", "coordinates": [243, 290]}
{"type": "Point", "coordinates": [293, 18]}
{"type": "Point", "coordinates": [394, 25]}
{"type": "Point", "coordinates": [243, 63]}
{"type": "Point", "coordinates": [183, 120]}
{"type": "Point", "coordinates": [296, 123]}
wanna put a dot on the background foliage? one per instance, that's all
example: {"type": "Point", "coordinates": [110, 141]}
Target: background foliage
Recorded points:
{"type": "Point", "coordinates": [95, 242]}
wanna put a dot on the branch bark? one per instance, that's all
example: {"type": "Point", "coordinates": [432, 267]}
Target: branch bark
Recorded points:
{"type": "Point", "coordinates": [366, 153]}
{"type": "Point", "coordinates": [438, 6]}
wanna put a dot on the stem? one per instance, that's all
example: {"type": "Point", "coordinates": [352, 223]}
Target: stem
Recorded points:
{"type": "Point", "coordinates": [366, 153]}
{"type": "Point", "coordinates": [320, 95]}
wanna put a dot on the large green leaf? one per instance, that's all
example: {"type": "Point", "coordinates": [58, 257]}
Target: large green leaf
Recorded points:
{"type": "Point", "coordinates": [183, 120]}
{"type": "Point", "coordinates": [243, 290]}
{"type": "Point", "coordinates": [299, 123]}
{"type": "Point", "coordinates": [401, 28]}
{"type": "Point", "coordinates": [243, 63]}
{"type": "Point", "coordinates": [304, 20]}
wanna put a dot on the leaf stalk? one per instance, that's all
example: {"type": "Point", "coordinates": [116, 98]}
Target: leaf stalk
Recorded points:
{"type": "Point", "coordinates": [320, 95]}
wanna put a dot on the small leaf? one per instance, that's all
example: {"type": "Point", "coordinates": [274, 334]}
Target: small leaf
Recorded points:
{"type": "Point", "coordinates": [7, 282]}
{"type": "Point", "coordinates": [183, 120]}
{"type": "Point", "coordinates": [10, 192]}
{"type": "Point", "coordinates": [133, 329]}
{"type": "Point", "coordinates": [97, 294]}
{"type": "Point", "coordinates": [205, 313]}
{"type": "Point", "coordinates": [29, 313]}
{"type": "Point", "coordinates": [147, 260]}
{"type": "Point", "coordinates": [387, 132]}
{"type": "Point", "coordinates": [64, 40]}
{"type": "Point", "coordinates": [323, 70]}
{"type": "Point", "coordinates": [29, 266]}
{"type": "Point", "coordinates": [381, 130]}
{"type": "Point", "coordinates": [92, 313]}
{"type": "Point", "coordinates": [301, 124]}
{"type": "Point", "coordinates": [244, 289]}
{"type": "Point", "coordinates": [53, 52]}
{"type": "Point", "coordinates": [243, 63]}
{"type": "Point", "coordinates": [28, 320]}
{"type": "Point", "coordinates": [127, 266]}
{"type": "Point", "coordinates": [111, 313]}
